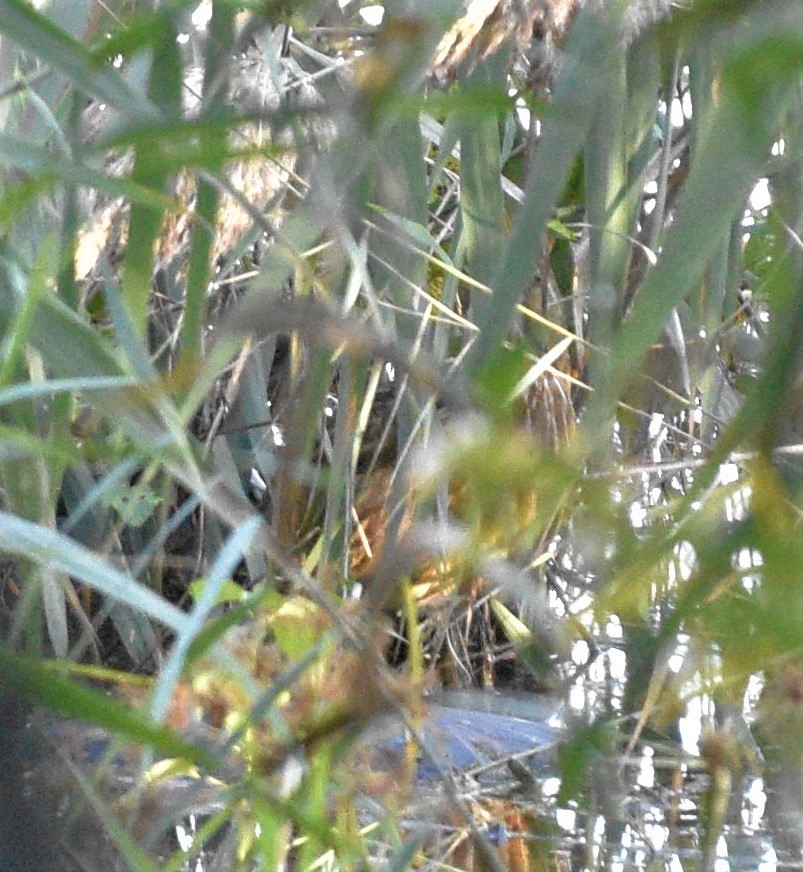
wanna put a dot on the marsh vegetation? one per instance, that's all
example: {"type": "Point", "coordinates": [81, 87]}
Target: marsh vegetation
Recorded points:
{"type": "Point", "coordinates": [356, 352]}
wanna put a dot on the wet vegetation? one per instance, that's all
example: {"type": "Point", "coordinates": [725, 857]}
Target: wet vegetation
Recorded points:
{"type": "Point", "coordinates": [354, 354]}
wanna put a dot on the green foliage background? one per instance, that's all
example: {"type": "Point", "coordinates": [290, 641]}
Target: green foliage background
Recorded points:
{"type": "Point", "coordinates": [402, 232]}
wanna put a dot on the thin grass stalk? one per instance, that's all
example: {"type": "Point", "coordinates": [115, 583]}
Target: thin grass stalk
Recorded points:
{"type": "Point", "coordinates": [481, 200]}
{"type": "Point", "coordinates": [150, 170]}
{"type": "Point", "coordinates": [576, 93]}
{"type": "Point", "coordinates": [609, 215]}
{"type": "Point", "coordinates": [199, 267]}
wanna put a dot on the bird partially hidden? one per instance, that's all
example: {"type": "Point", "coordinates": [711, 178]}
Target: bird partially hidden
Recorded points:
{"type": "Point", "coordinates": [72, 772]}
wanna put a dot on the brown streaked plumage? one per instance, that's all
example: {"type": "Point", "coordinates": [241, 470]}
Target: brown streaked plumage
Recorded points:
{"type": "Point", "coordinates": [488, 25]}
